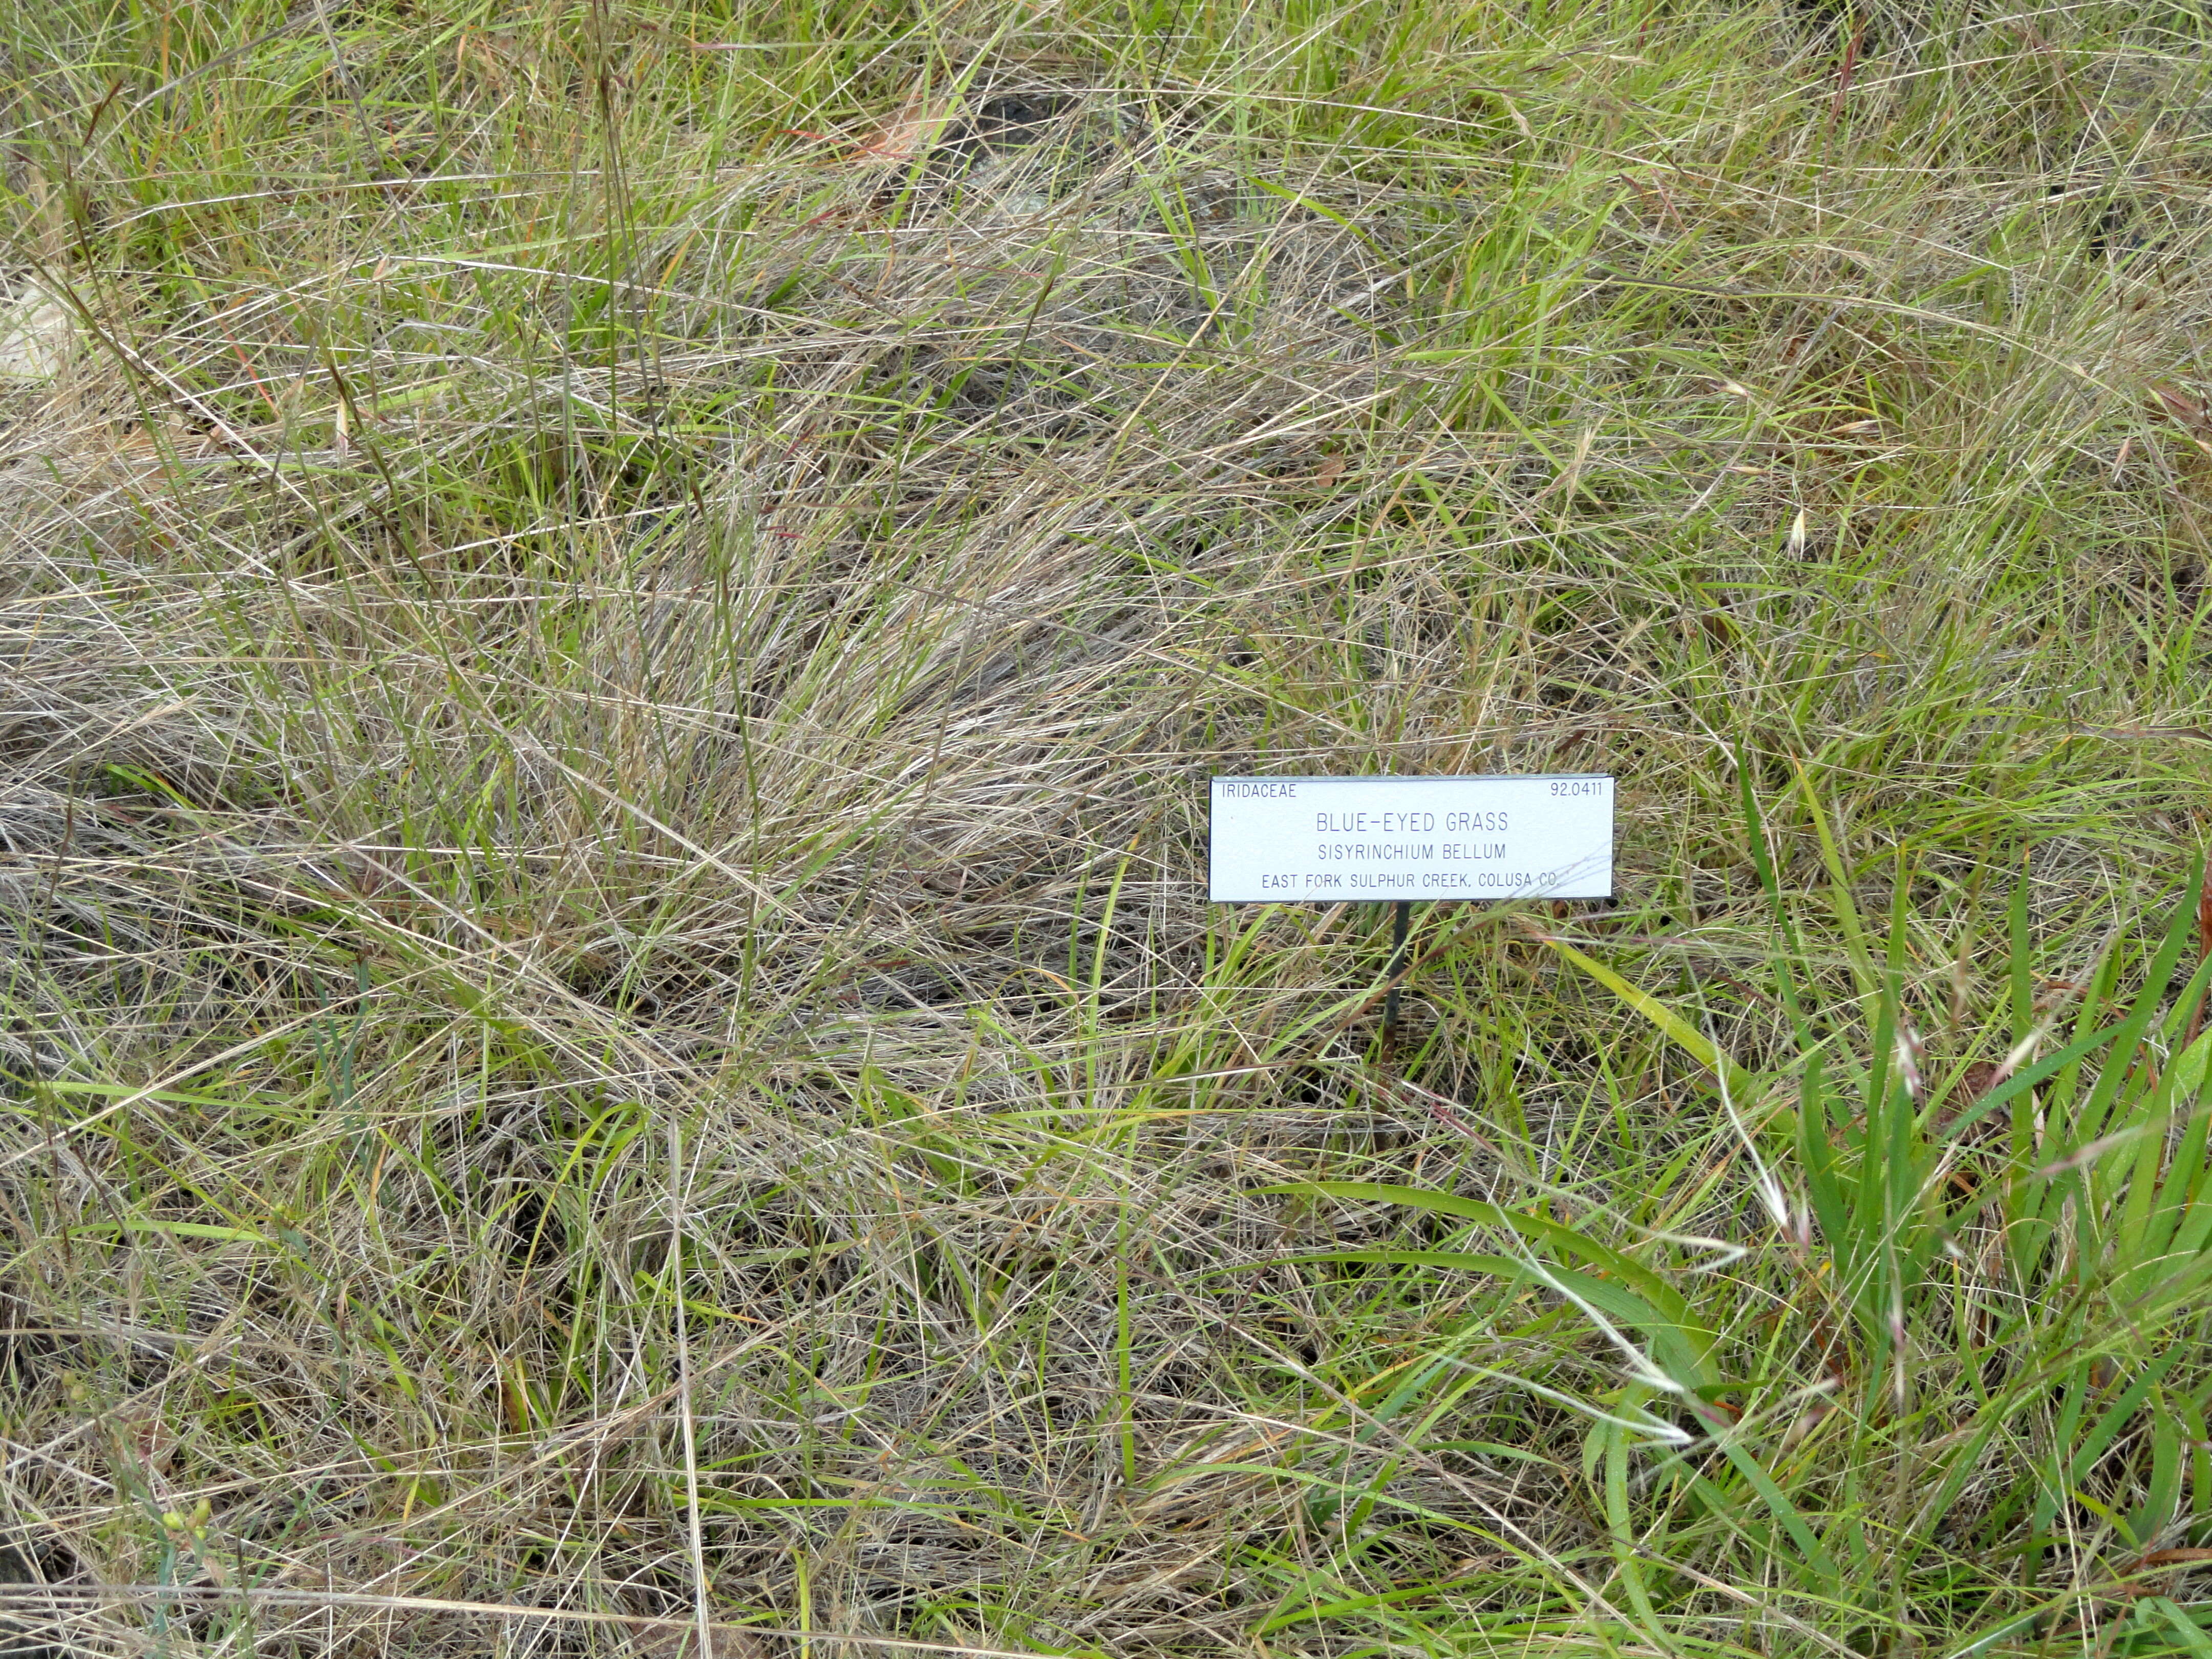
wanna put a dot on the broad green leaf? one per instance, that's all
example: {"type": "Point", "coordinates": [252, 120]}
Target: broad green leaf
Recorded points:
{"type": "Point", "coordinates": [1654, 1289]}
{"type": "Point", "coordinates": [1680, 1347]}
{"type": "Point", "coordinates": [1686, 1036]}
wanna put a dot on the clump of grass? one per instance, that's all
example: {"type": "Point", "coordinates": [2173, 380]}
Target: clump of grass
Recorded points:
{"type": "Point", "coordinates": [611, 631]}
{"type": "Point", "coordinates": [1917, 1349]}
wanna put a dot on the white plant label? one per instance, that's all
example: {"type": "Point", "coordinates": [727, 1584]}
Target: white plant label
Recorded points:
{"type": "Point", "coordinates": [1327, 840]}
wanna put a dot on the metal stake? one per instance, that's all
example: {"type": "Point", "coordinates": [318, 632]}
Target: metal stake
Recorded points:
{"type": "Point", "coordinates": [1401, 919]}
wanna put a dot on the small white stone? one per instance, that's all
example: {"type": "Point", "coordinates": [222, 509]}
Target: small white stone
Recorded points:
{"type": "Point", "coordinates": [36, 333]}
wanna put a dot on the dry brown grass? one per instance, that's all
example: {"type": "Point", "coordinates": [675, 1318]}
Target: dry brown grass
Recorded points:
{"type": "Point", "coordinates": [609, 647]}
